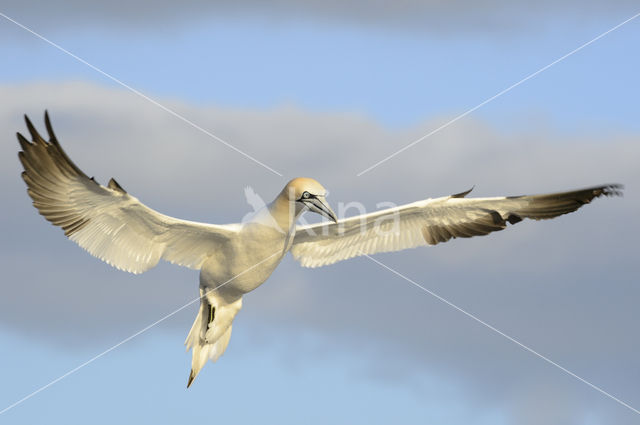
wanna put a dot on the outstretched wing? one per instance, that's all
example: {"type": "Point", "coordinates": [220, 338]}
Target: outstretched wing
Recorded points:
{"type": "Point", "coordinates": [430, 222]}
{"type": "Point", "coordinates": [106, 221]}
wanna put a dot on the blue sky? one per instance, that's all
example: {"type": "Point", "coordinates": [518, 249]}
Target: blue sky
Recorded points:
{"type": "Point", "coordinates": [398, 77]}
{"type": "Point", "coordinates": [294, 90]}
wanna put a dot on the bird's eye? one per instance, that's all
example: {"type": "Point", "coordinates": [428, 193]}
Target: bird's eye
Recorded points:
{"type": "Point", "coordinates": [306, 195]}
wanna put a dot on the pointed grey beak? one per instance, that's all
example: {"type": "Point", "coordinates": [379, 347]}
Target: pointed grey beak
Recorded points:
{"type": "Point", "coordinates": [319, 205]}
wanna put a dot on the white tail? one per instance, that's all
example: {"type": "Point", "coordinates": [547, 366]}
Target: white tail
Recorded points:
{"type": "Point", "coordinates": [211, 330]}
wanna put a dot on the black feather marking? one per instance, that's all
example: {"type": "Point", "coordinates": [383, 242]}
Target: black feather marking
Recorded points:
{"type": "Point", "coordinates": [113, 184]}
{"type": "Point", "coordinates": [47, 123]}
{"type": "Point", "coordinates": [24, 143]}
{"type": "Point", "coordinates": [497, 218]}
{"type": "Point", "coordinates": [463, 194]}
{"type": "Point", "coordinates": [78, 224]}
{"type": "Point", "coordinates": [514, 218]}
{"type": "Point", "coordinates": [34, 133]}
{"type": "Point", "coordinates": [192, 376]}
{"type": "Point", "coordinates": [460, 231]}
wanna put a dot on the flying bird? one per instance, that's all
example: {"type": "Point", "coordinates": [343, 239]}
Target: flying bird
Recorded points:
{"type": "Point", "coordinates": [234, 259]}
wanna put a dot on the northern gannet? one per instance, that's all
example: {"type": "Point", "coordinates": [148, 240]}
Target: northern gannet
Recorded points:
{"type": "Point", "coordinates": [234, 259]}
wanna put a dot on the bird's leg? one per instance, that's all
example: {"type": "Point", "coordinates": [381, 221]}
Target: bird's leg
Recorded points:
{"type": "Point", "coordinates": [212, 313]}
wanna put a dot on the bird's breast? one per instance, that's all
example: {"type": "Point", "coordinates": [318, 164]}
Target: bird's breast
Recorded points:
{"type": "Point", "coordinates": [247, 262]}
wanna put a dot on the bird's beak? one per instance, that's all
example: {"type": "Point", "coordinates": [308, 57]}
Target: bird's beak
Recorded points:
{"type": "Point", "coordinates": [319, 205]}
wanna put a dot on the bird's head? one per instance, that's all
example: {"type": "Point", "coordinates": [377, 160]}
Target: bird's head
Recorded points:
{"type": "Point", "coordinates": [308, 194]}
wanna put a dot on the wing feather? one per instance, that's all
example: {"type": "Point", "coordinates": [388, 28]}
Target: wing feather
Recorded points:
{"type": "Point", "coordinates": [107, 221]}
{"type": "Point", "coordinates": [430, 222]}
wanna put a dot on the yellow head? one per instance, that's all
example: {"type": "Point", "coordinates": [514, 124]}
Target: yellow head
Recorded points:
{"type": "Point", "coordinates": [307, 193]}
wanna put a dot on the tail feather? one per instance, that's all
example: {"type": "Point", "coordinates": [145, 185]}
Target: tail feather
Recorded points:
{"type": "Point", "coordinates": [209, 336]}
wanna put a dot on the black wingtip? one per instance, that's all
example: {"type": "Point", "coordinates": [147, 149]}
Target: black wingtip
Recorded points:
{"type": "Point", "coordinates": [614, 189]}
{"type": "Point", "coordinates": [47, 123]}
{"type": "Point", "coordinates": [24, 143]}
{"type": "Point", "coordinates": [35, 136]}
{"type": "Point", "coordinates": [30, 127]}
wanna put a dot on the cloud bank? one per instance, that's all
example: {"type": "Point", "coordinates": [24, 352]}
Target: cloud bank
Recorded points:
{"type": "Point", "coordinates": [566, 287]}
{"type": "Point", "coordinates": [456, 16]}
